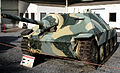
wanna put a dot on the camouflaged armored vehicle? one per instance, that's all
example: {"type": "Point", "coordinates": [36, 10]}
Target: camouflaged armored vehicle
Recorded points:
{"type": "Point", "coordinates": [85, 36]}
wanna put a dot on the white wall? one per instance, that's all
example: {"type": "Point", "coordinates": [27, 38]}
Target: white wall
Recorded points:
{"type": "Point", "coordinates": [33, 8]}
{"type": "Point", "coordinates": [49, 9]}
{"type": "Point", "coordinates": [110, 8]}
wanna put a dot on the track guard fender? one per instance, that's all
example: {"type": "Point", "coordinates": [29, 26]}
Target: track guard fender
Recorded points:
{"type": "Point", "coordinates": [85, 35]}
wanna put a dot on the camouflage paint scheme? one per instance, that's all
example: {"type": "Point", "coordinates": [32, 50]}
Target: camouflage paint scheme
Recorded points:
{"type": "Point", "coordinates": [58, 32]}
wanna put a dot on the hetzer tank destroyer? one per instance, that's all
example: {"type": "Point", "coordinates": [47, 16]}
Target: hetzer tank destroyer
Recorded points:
{"type": "Point", "coordinates": [85, 36]}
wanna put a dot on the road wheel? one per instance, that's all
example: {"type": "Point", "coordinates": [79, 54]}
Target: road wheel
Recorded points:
{"type": "Point", "coordinates": [87, 51]}
{"type": "Point", "coordinates": [107, 48]}
{"type": "Point", "coordinates": [94, 52]}
{"type": "Point", "coordinates": [115, 41]}
{"type": "Point", "coordinates": [102, 53]}
{"type": "Point", "coordinates": [111, 45]}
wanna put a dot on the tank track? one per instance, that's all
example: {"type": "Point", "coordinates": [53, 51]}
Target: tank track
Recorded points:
{"type": "Point", "coordinates": [24, 46]}
{"type": "Point", "coordinates": [85, 52]}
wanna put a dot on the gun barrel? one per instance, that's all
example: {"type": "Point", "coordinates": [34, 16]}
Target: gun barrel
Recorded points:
{"type": "Point", "coordinates": [18, 18]}
{"type": "Point", "coordinates": [9, 16]}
